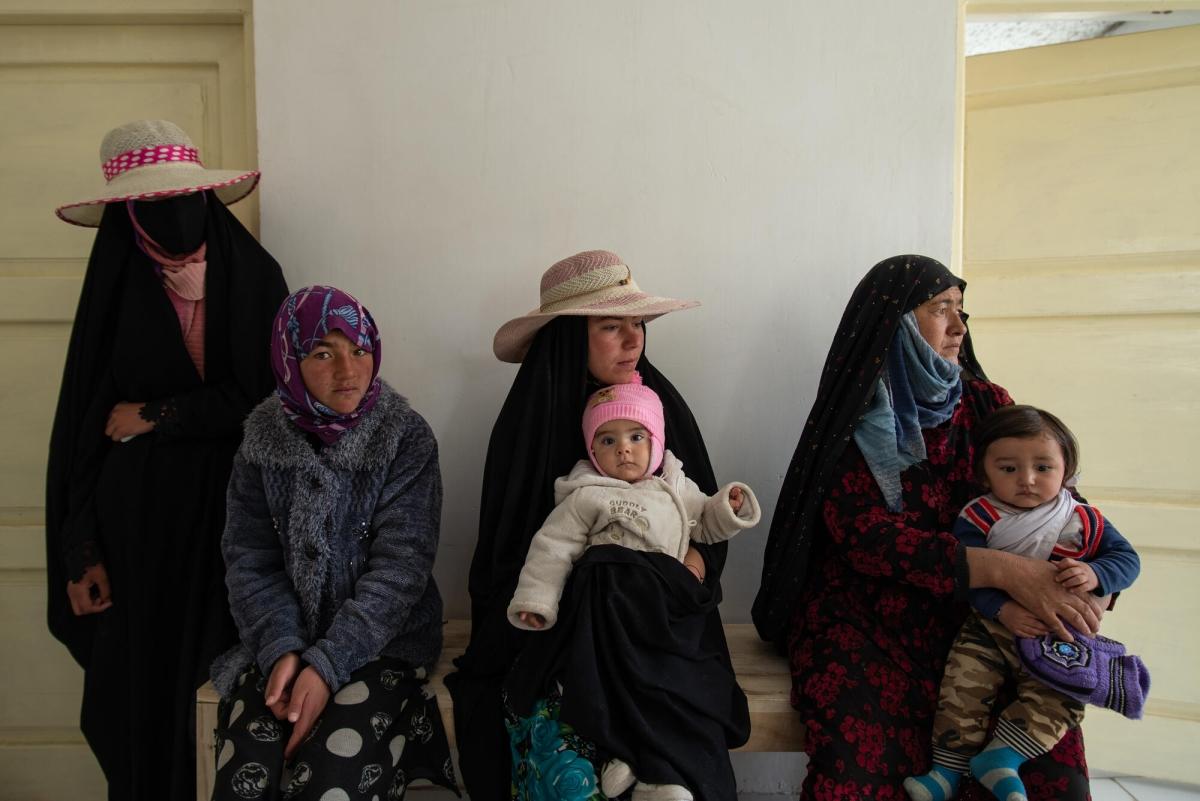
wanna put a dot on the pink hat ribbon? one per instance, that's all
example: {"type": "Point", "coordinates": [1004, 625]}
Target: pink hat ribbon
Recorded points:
{"type": "Point", "coordinates": [154, 154]}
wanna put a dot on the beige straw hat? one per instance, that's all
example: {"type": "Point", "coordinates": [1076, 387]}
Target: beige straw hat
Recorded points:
{"type": "Point", "coordinates": [154, 159]}
{"type": "Point", "coordinates": [594, 283]}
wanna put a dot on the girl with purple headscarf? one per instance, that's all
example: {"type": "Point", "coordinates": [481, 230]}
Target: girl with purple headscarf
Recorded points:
{"type": "Point", "coordinates": [306, 325]}
{"type": "Point", "coordinates": [331, 530]}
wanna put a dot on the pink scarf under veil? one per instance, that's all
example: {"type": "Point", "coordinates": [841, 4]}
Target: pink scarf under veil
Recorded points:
{"type": "Point", "coordinates": [183, 279]}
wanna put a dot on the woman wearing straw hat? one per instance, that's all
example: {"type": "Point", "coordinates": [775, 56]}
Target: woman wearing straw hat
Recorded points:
{"type": "Point", "coordinates": [588, 332]}
{"type": "Point", "coordinates": [167, 355]}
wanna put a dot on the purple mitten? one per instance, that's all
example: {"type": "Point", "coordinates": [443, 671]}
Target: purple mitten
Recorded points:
{"type": "Point", "coordinates": [1092, 670]}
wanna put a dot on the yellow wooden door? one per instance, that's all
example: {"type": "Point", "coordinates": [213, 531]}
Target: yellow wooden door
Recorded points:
{"type": "Point", "coordinates": [1082, 249]}
{"type": "Point", "coordinates": [67, 77]}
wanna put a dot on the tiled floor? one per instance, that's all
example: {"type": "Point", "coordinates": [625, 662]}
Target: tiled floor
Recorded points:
{"type": "Point", "coordinates": [1124, 789]}
{"type": "Point", "coordinates": [1105, 789]}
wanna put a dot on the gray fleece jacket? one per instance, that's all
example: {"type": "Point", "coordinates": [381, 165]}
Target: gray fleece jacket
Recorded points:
{"type": "Point", "coordinates": [329, 553]}
{"type": "Point", "coordinates": [660, 514]}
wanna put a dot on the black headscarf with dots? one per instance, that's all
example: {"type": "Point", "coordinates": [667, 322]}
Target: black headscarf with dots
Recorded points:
{"type": "Point", "coordinates": [856, 358]}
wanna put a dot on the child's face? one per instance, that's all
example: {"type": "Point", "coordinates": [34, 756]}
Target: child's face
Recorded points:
{"type": "Point", "coordinates": [622, 449]}
{"type": "Point", "coordinates": [1024, 471]}
{"type": "Point", "coordinates": [337, 372]}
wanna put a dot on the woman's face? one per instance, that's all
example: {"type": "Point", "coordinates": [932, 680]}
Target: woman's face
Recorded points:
{"type": "Point", "coordinates": [337, 372]}
{"type": "Point", "coordinates": [614, 347]}
{"type": "Point", "coordinates": [942, 323]}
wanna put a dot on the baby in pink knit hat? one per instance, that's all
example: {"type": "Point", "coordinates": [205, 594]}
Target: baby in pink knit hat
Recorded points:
{"type": "Point", "coordinates": [630, 492]}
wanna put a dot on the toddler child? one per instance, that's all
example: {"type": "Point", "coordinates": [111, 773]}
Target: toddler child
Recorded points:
{"type": "Point", "coordinates": [631, 492]}
{"type": "Point", "coordinates": [1027, 460]}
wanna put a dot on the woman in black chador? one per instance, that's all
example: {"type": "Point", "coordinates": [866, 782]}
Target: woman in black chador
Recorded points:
{"type": "Point", "coordinates": [519, 734]}
{"type": "Point", "coordinates": [168, 354]}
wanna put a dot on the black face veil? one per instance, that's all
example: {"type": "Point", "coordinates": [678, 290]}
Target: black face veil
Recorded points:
{"type": "Point", "coordinates": [892, 288]}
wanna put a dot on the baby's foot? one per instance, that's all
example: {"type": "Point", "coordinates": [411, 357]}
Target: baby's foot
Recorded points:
{"type": "Point", "coordinates": [939, 784]}
{"type": "Point", "coordinates": [996, 769]}
{"type": "Point", "coordinates": [660, 792]}
{"type": "Point", "coordinates": [616, 777]}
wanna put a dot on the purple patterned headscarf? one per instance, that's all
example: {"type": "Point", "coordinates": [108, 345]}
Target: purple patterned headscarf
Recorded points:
{"type": "Point", "coordinates": [305, 317]}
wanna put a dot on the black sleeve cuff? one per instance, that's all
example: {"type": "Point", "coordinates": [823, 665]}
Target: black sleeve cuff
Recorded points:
{"type": "Point", "coordinates": [163, 414]}
{"type": "Point", "coordinates": [79, 557]}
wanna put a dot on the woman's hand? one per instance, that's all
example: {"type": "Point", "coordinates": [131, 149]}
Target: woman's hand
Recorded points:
{"type": "Point", "coordinates": [532, 619]}
{"type": "Point", "coordinates": [125, 421]}
{"type": "Point", "coordinates": [1020, 621]}
{"type": "Point", "coordinates": [694, 562]}
{"type": "Point", "coordinates": [1076, 575]}
{"type": "Point", "coordinates": [1100, 604]}
{"type": "Point", "coordinates": [735, 499]}
{"type": "Point", "coordinates": [279, 684]}
{"type": "Point", "coordinates": [310, 694]}
{"type": "Point", "coordinates": [91, 594]}
{"type": "Point", "coordinates": [1033, 583]}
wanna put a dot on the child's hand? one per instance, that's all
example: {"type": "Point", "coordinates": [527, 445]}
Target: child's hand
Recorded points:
{"type": "Point", "coordinates": [310, 694]}
{"type": "Point", "coordinates": [279, 683]}
{"type": "Point", "coordinates": [532, 619]}
{"type": "Point", "coordinates": [735, 498]}
{"type": "Point", "coordinates": [1020, 621]}
{"type": "Point", "coordinates": [1076, 575]}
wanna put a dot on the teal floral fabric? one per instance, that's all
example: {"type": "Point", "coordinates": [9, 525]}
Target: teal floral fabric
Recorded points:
{"type": "Point", "coordinates": [550, 761]}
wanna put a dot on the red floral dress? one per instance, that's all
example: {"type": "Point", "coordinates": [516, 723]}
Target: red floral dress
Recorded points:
{"type": "Point", "coordinates": [870, 636]}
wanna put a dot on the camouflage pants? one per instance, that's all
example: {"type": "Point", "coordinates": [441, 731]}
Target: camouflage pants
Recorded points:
{"type": "Point", "coordinates": [983, 657]}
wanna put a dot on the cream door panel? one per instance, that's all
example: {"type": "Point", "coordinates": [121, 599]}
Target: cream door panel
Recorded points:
{"type": "Point", "coordinates": [66, 77]}
{"type": "Point", "coordinates": [1082, 249]}
{"type": "Point", "coordinates": [1126, 385]}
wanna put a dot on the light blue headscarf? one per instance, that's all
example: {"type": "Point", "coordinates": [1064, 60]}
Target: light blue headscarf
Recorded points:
{"type": "Point", "coordinates": [918, 389]}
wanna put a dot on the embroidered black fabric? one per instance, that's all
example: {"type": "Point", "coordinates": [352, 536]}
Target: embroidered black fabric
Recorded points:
{"type": "Point", "coordinates": [163, 414]}
{"type": "Point", "coordinates": [80, 556]}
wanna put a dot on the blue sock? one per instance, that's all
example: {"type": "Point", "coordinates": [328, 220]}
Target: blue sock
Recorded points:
{"type": "Point", "coordinates": [939, 784]}
{"type": "Point", "coordinates": [996, 769]}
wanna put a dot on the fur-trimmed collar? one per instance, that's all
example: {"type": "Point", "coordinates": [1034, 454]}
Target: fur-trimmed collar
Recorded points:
{"type": "Point", "coordinates": [271, 440]}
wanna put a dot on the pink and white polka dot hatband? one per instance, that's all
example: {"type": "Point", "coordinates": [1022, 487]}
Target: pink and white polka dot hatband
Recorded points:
{"type": "Point", "coordinates": [154, 154]}
{"type": "Point", "coordinates": [154, 160]}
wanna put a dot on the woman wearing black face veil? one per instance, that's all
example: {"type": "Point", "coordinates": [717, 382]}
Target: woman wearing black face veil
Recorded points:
{"type": "Point", "coordinates": [167, 355]}
{"type": "Point", "coordinates": [863, 583]}
{"type": "Point", "coordinates": [587, 333]}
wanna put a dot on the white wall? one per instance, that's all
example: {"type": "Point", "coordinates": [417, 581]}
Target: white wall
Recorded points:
{"type": "Point", "coordinates": [435, 157]}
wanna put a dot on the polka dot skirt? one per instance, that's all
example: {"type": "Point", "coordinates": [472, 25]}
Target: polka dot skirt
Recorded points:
{"type": "Point", "coordinates": [376, 735]}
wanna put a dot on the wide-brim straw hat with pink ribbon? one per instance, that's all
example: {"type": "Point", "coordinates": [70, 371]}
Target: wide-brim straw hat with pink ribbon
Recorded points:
{"type": "Point", "coordinates": [153, 160]}
{"type": "Point", "coordinates": [595, 283]}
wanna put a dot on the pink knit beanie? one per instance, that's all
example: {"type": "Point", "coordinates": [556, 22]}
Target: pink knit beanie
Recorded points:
{"type": "Point", "coordinates": [631, 401]}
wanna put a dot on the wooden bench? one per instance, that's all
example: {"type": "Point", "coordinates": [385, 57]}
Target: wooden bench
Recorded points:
{"type": "Point", "coordinates": [763, 675]}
